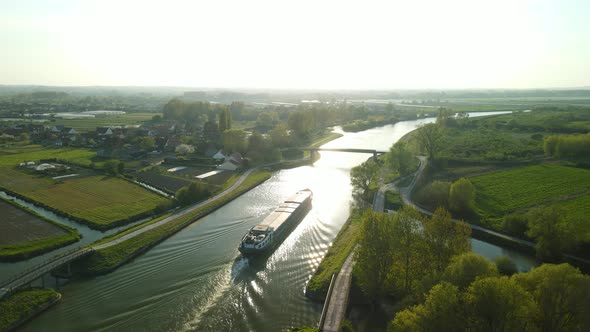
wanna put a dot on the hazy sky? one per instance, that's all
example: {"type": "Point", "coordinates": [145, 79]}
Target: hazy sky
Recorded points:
{"type": "Point", "coordinates": [297, 44]}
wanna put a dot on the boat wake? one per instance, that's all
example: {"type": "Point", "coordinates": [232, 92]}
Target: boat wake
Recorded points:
{"type": "Point", "coordinates": [240, 264]}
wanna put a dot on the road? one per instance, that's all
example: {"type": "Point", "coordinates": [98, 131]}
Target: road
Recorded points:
{"type": "Point", "coordinates": [339, 300]}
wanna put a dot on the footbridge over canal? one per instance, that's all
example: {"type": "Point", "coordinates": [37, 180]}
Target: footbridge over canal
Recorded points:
{"type": "Point", "coordinates": [38, 271]}
{"type": "Point", "coordinates": [375, 153]}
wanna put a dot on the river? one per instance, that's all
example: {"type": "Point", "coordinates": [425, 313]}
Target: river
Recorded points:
{"type": "Point", "coordinates": [196, 279]}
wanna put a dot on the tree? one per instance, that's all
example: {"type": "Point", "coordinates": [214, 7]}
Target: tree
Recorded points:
{"type": "Point", "coordinates": [184, 149]}
{"type": "Point", "coordinates": [259, 148]}
{"type": "Point", "coordinates": [120, 167]}
{"type": "Point", "coordinates": [279, 136]}
{"type": "Point", "coordinates": [361, 177]}
{"type": "Point", "coordinates": [211, 132]}
{"type": "Point", "coordinates": [430, 137]}
{"type": "Point", "coordinates": [442, 311]}
{"type": "Point", "coordinates": [435, 194]}
{"type": "Point", "coordinates": [192, 193]}
{"type": "Point", "coordinates": [505, 265]}
{"type": "Point", "coordinates": [562, 294]}
{"type": "Point", "coordinates": [445, 238]}
{"type": "Point", "coordinates": [408, 248]}
{"type": "Point", "coordinates": [234, 140]}
{"type": "Point", "coordinates": [112, 166]}
{"type": "Point", "coordinates": [462, 196]}
{"type": "Point", "coordinates": [498, 304]}
{"type": "Point", "coordinates": [466, 268]}
{"type": "Point", "coordinates": [224, 119]}
{"type": "Point", "coordinates": [400, 159]}
{"type": "Point", "coordinates": [266, 120]}
{"type": "Point", "coordinates": [147, 143]}
{"type": "Point", "coordinates": [374, 254]}
{"type": "Point", "coordinates": [553, 233]}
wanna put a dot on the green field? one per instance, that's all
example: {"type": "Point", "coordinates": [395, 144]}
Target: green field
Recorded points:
{"type": "Point", "coordinates": [22, 304]}
{"type": "Point", "coordinates": [90, 124]}
{"type": "Point", "coordinates": [503, 192]}
{"type": "Point", "coordinates": [14, 155]}
{"type": "Point", "coordinates": [101, 201]}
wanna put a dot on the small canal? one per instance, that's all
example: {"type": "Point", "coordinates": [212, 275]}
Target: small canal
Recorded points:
{"type": "Point", "coordinates": [197, 281]}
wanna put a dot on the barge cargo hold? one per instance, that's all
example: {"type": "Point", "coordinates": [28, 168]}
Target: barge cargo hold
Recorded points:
{"type": "Point", "coordinates": [272, 230]}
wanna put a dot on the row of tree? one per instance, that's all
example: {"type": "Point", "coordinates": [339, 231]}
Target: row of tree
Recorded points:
{"type": "Point", "coordinates": [567, 146]}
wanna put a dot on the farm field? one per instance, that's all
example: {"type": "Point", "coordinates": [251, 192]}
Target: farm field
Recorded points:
{"type": "Point", "coordinates": [102, 202]}
{"type": "Point", "coordinates": [502, 192]}
{"type": "Point", "coordinates": [90, 124]}
{"type": "Point", "coordinates": [12, 156]}
{"type": "Point", "coordinates": [24, 234]}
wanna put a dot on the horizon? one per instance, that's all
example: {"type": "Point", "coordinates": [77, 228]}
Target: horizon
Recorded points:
{"type": "Point", "coordinates": [376, 45]}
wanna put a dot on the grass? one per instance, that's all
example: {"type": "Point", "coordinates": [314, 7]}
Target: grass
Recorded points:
{"type": "Point", "coordinates": [107, 259]}
{"type": "Point", "coordinates": [101, 202]}
{"type": "Point", "coordinates": [393, 200]}
{"type": "Point", "coordinates": [13, 155]}
{"type": "Point", "coordinates": [23, 304]}
{"type": "Point", "coordinates": [26, 234]}
{"type": "Point", "coordinates": [503, 192]}
{"type": "Point", "coordinates": [318, 285]}
{"type": "Point", "coordinates": [90, 124]}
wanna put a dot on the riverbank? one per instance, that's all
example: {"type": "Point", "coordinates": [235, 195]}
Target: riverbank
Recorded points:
{"type": "Point", "coordinates": [22, 306]}
{"type": "Point", "coordinates": [19, 251]}
{"type": "Point", "coordinates": [108, 256]}
{"type": "Point", "coordinates": [343, 244]}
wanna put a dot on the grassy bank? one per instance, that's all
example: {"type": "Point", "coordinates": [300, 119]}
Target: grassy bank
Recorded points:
{"type": "Point", "coordinates": [323, 139]}
{"type": "Point", "coordinates": [332, 262]}
{"type": "Point", "coordinates": [107, 259]}
{"type": "Point", "coordinates": [21, 306]}
{"type": "Point", "coordinates": [26, 234]}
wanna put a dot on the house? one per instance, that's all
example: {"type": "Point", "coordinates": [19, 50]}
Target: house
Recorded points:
{"type": "Point", "coordinates": [219, 155]}
{"type": "Point", "coordinates": [57, 129]}
{"type": "Point", "coordinates": [237, 158]}
{"type": "Point", "coordinates": [172, 143]}
{"type": "Point", "coordinates": [229, 166]}
{"type": "Point", "coordinates": [211, 151]}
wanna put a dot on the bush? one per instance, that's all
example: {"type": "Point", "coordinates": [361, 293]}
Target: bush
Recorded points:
{"type": "Point", "coordinates": [515, 224]}
{"type": "Point", "coordinates": [462, 196]}
{"type": "Point", "coordinates": [505, 265]}
{"type": "Point", "coordinates": [435, 194]}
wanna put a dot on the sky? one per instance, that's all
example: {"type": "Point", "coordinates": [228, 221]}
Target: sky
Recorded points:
{"type": "Point", "coordinates": [318, 44]}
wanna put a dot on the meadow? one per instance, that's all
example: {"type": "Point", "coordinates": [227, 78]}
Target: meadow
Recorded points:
{"type": "Point", "coordinates": [507, 191]}
{"type": "Point", "coordinates": [15, 154]}
{"type": "Point", "coordinates": [102, 202]}
{"type": "Point", "coordinates": [25, 234]}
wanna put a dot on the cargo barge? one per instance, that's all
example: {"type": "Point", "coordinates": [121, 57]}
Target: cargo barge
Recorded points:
{"type": "Point", "coordinates": [274, 228]}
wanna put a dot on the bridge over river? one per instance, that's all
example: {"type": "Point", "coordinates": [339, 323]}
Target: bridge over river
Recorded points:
{"type": "Point", "coordinates": [375, 153]}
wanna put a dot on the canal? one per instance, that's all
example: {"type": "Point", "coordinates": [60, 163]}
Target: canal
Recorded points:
{"type": "Point", "coordinates": [197, 281]}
